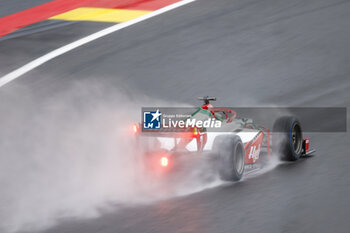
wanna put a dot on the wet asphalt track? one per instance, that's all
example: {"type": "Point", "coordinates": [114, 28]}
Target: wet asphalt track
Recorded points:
{"type": "Point", "coordinates": [247, 53]}
{"type": "Point", "coordinates": [8, 7]}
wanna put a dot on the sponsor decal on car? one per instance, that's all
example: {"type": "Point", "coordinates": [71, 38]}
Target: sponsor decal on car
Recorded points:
{"type": "Point", "coordinates": [254, 153]}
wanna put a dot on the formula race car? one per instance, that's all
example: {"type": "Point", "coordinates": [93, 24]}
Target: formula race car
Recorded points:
{"type": "Point", "coordinates": [235, 149]}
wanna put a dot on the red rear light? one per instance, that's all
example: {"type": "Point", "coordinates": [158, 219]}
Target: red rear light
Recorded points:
{"type": "Point", "coordinates": [195, 132]}
{"type": "Point", "coordinates": [164, 161]}
{"type": "Point", "coordinates": [307, 143]}
{"type": "Point", "coordinates": [135, 128]}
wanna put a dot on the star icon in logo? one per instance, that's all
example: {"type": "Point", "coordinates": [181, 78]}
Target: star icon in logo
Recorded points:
{"type": "Point", "coordinates": [156, 115]}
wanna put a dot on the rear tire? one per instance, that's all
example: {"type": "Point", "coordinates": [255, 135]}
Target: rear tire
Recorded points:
{"type": "Point", "coordinates": [230, 152]}
{"type": "Point", "coordinates": [287, 139]}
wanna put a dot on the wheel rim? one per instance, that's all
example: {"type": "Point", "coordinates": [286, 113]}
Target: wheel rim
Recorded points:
{"type": "Point", "coordinates": [239, 159]}
{"type": "Point", "coordinates": [296, 139]}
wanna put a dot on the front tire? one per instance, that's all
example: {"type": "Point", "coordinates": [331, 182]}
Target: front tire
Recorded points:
{"type": "Point", "coordinates": [287, 139]}
{"type": "Point", "coordinates": [230, 152]}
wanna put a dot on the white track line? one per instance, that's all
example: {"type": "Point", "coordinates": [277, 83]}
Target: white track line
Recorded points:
{"type": "Point", "coordinates": [57, 52]}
